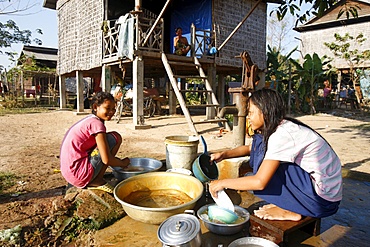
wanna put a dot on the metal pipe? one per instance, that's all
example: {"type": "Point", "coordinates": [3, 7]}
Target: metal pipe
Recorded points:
{"type": "Point", "coordinates": [227, 110]}
{"type": "Point", "coordinates": [239, 131]}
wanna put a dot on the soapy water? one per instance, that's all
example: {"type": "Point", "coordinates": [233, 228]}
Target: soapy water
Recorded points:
{"type": "Point", "coordinates": [164, 198]}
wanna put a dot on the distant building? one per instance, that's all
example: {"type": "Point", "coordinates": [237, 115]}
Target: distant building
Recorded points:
{"type": "Point", "coordinates": [319, 30]}
{"type": "Point", "coordinates": [42, 80]}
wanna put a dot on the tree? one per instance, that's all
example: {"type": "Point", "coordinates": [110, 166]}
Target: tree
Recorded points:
{"type": "Point", "coordinates": [310, 75]}
{"type": "Point", "coordinates": [355, 58]}
{"type": "Point", "coordinates": [278, 32]}
{"type": "Point", "coordinates": [9, 31]}
{"type": "Point", "coordinates": [318, 8]}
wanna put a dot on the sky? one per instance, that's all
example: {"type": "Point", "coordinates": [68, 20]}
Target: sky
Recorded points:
{"type": "Point", "coordinates": [45, 19]}
{"type": "Point", "coordinates": [37, 17]}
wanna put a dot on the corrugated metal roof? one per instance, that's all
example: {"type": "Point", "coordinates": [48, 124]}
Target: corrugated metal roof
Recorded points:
{"type": "Point", "coordinates": [41, 56]}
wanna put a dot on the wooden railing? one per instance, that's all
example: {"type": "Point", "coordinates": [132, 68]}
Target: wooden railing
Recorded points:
{"type": "Point", "coordinates": [155, 40]}
{"type": "Point", "coordinates": [142, 27]}
{"type": "Point", "coordinates": [201, 40]}
{"type": "Point", "coordinates": [110, 39]}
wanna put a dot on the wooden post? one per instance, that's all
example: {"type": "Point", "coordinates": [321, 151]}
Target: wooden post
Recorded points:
{"type": "Point", "coordinates": [138, 87]}
{"type": "Point", "coordinates": [210, 111]}
{"type": "Point", "coordinates": [80, 91]}
{"type": "Point", "coordinates": [62, 92]}
{"type": "Point", "coordinates": [221, 90]}
{"type": "Point", "coordinates": [137, 5]}
{"type": "Point", "coordinates": [22, 88]}
{"type": "Point", "coordinates": [193, 39]}
{"type": "Point", "coordinates": [106, 78]}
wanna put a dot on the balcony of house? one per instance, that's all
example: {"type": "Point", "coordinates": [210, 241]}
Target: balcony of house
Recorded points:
{"type": "Point", "coordinates": [144, 35]}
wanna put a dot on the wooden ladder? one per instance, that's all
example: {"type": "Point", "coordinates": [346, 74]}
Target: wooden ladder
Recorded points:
{"type": "Point", "coordinates": [211, 97]}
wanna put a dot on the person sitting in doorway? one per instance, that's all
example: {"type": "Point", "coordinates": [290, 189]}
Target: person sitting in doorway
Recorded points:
{"type": "Point", "coordinates": [181, 43]}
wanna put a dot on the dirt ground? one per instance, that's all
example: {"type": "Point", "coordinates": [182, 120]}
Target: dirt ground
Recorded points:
{"type": "Point", "coordinates": [29, 148]}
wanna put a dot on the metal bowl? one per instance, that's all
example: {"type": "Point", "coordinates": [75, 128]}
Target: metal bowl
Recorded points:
{"type": "Point", "coordinates": [137, 166]}
{"type": "Point", "coordinates": [217, 213]}
{"type": "Point", "coordinates": [222, 228]}
{"type": "Point", "coordinates": [252, 242]}
{"type": "Point", "coordinates": [180, 170]}
{"type": "Point", "coordinates": [173, 185]}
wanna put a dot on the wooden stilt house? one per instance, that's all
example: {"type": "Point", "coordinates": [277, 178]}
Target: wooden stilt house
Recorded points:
{"type": "Point", "coordinates": [103, 39]}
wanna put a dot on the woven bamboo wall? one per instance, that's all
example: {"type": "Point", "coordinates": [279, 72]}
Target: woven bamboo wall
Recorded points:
{"type": "Point", "coordinates": [250, 37]}
{"type": "Point", "coordinates": [313, 42]}
{"type": "Point", "coordinates": [80, 35]}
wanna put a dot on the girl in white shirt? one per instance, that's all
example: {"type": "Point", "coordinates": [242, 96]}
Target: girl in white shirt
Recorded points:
{"type": "Point", "coordinates": [294, 168]}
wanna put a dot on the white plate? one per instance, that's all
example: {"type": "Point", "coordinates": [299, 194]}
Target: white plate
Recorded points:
{"type": "Point", "coordinates": [223, 200]}
{"type": "Point", "coordinates": [180, 170]}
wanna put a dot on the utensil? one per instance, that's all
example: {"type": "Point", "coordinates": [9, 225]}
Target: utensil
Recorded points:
{"type": "Point", "coordinates": [217, 213]}
{"type": "Point", "coordinates": [137, 166]}
{"type": "Point", "coordinates": [252, 242]}
{"type": "Point", "coordinates": [223, 200]}
{"type": "Point", "coordinates": [180, 170]}
{"type": "Point", "coordinates": [154, 182]}
{"type": "Point", "coordinates": [203, 169]}
{"type": "Point", "coordinates": [181, 230]}
{"type": "Point", "coordinates": [224, 229]}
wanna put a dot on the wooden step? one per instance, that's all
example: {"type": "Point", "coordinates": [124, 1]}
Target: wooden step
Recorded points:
{"type": "Point", "coordinates": [220, 120]}
{"type": "Point", "coordinates": [182, 63]}
{"type": "Point", "coordinates": [191, 76]}
{"type": "Point", "coordinates": [196, 91]}
{"type": "Point", "coordinates": [202, 105]}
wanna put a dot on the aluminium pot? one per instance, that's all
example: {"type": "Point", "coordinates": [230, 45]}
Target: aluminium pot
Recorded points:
{"type": "Point", "coordinates": [252, 242]}
{"type": "Point", "coordinates": [181, 230]}
{"type": "Point", "coordinates": [137, 166]}
{"type": "Point", "coordinates": [223, 228]}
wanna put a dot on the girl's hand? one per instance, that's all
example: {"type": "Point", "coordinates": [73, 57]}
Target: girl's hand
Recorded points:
{"type": "Point", "coordinates": [216, 157]}
{"type": "Point", "coordinates": [125, 162]}
{"type": "Point", "coordinates": [215, 186]}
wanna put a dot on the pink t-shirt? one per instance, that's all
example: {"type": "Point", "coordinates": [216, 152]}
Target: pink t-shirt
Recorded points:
{"type": "Point", "coordinates": [78, 142]}
{"type": "Point", "coordinates": [295, 143]}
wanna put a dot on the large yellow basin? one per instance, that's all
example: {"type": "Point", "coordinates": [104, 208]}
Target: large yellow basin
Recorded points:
{"type": "Point", "coordinates": [158, 182]}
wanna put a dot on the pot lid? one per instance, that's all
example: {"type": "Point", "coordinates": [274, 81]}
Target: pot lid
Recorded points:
{"type": "Point", "coordinates": [179, 229]}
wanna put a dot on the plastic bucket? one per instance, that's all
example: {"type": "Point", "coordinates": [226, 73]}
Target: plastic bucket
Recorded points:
{"type": "Point", "coordinates": [181, 151]}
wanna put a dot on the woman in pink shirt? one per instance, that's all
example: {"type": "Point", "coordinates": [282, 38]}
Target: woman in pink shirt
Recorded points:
{"type": "Point", "coordinates": [87, 149]}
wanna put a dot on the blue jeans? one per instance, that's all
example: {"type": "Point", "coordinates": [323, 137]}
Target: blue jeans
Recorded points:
{"type": "Point", "coordinates": [95, 158]}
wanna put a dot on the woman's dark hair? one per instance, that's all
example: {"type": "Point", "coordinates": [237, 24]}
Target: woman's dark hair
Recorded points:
{"type": "Point", "coordinates": [177, 29]}
{"type": "Point", "coordinates": [99, 99]}
{"type": "Point", "coordinates": [272, 106]}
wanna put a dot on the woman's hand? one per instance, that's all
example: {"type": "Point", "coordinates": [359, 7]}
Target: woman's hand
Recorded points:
{"type": "Point", "coordinates": [215, 186]}
{"type": "Point", "coordinates": [125, 162]}
{"type": "Point", "coordinates": [216, 157]}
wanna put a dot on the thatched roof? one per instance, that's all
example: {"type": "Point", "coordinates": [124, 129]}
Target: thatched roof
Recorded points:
{"type": "Point", "coordinates": [50, 4]}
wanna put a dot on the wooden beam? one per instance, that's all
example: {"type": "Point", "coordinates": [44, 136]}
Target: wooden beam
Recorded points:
{"type": "Point", "coordinates": [62, 92]}
{"type": "Point", "coordinates": [80, 91]}
{"type": "Point", "coordinates": [156, 22]}
{"type": "Point", "coordinates": [238, 26]}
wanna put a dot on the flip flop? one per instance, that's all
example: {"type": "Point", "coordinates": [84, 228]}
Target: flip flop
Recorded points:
{"type": "Point", "coordinates": [105, 187]}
